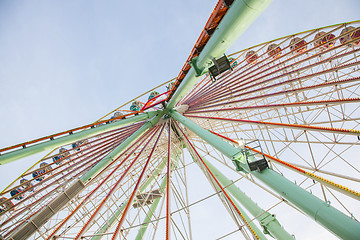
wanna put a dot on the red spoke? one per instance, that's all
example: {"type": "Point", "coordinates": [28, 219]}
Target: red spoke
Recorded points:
{"type": "Point", "coordinates": [285, 125]}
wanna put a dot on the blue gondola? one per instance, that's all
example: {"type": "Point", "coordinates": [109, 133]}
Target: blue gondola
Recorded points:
{"type": "Point", "coordinates": [58, 159]}
{"type": "Point", "coordinates": [39, 175]}
{"type": "Point", "coordinates": [136, 106]}
{"type": "Point", "coordinates": [169, 87]}
{"type": "Point", "coordinates": [17, 193]}
{"type": "Point", "coordinates": [76, 146]}
{"type": "Point", "coordinates": [153, 94]}
{"type": "Point", "coordinates": [27, 185]}
{"type": "Point", "coordinates": [116, 115]}
{"type": "Point", "coordinates": [233, 62]}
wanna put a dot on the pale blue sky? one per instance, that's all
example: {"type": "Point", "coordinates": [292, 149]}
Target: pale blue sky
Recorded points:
{"type": "Point", "coordinates": [66, 63]}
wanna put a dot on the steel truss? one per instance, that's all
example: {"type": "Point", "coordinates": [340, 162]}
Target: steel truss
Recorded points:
{"type": "Point", "coordinates": [132, 178]}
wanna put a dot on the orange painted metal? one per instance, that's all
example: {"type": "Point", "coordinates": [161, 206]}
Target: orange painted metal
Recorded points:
{"type": "Point", "coordinates": [222, 189]}
{"type": "Point", "coordinates": [130, 201]}
{"type": "Point", "coordinates": [168, 216]}
{"type": "Point", "coordinates": [210, 26]}
{"type": "Point", "coordinates": [71, 131]}
{"type": "Point", "coordinates": [285, 125]}
{"type": "Point", "coordinates": [304, 103]}
{"type": "Point", "coordinates": [114, 186]}
{"type": "Point", "coordinates": [289, 165]}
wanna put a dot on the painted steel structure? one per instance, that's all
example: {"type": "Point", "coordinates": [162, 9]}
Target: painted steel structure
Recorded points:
{"type": "Point", "coordinates": [126, 177]}
{"type": "Point", "coordinates": [335, 221]}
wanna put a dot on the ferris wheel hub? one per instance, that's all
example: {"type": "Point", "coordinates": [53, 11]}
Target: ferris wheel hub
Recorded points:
{"type": "Point", "coordinates": [181, 108]}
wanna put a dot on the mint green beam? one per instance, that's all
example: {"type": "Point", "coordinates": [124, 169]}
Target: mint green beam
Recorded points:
{"type": "Point", "coordinates": [155, 204]}
{"type": "Point", "coordinates": [150, 213]}
{"type": "Point", "coordinates": [238, 18]}
{"type": "Point", "coordinates": [267, 220]}
{"type": "Point", "coordinates": [118, 150]}
{"type": "Point", "coordinates": [328, 216]}
{"type": "Point", "coordinates": [73, 190]}
{"type": "Point", "coordinates": [51, 144]}
{"type": "Point", "coordinates": [217, 189]}
{"type": "Point", "coordinates": [99, 234]}
{"type": "Point", "coordinates": [111, 221]}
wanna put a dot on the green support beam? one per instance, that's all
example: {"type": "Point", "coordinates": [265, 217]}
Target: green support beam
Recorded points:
{"type": "Point", "coordinates": [155, 204]}
{"type": "Point", "coordinates": [114, 217]}
{"type": "Point", "coordinates": [99, 234]}
{"type": "Point", "coordinates": [268, 221]}
{"type": "Point", "coordinates": [118, 150]}
{"type": "Point", "coordinates": [48, 211]}
{"type": "Point", "coordinates": [228, 189]}
{"type": "Point", "coordinates": [150, 213]}
{"type": "Point", "coordinates": [238, 18]}
{"type": "Point", "coordinates": [51, 144]}
{"type": "Point", "coordinates": [328, 216]}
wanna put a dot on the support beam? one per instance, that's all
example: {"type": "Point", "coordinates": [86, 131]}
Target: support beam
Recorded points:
{"type": "Point", "coordinates": [154, 205]}
{"type": "Point", "coordinates": [218, 187]}
{"type": "Point", "coordinates": [267, 220]}
{"type": "Point", "coordinates": [117, 151]}
{"type": "Point", "coordinates": [238, 18]}
{"type": "Point", "coordinates": [132, 196]}
{"type": "Point", "coordinates": [328, 216]}
{"type": "Point", "coordinates": [228, 186]}
{"type": "Point", "coordinates": [150, 213]}
{"type": "Point", "coordinates": [62, 199]}
{"type": "Point", "coordinates": [117, 214]}
{"type": "Point", "coordinates": [57, 142]}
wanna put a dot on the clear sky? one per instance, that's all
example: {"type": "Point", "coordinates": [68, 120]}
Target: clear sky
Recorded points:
{"type": "Point", "coordinates": [66, 63]}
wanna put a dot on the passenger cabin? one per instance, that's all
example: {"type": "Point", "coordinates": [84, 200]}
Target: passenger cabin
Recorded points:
{"type": "Point", "coordinates": [39, 175]}
{"type": "Point", "coordinates": [116, 115]}
{"type": "Point", "coordinates": [169, 87]}
{"type": "Point", "coordinates": [27, 185]}
{"type": "Point", "coordinates": [274, 50]}
{"type": "Point", "coordinates": [298, 45]}
{"type": "Point", "coordinates": [64, 152]}
{"type": "Point", "coordinates": [16, 193]}
{"type": "Point", "coordinates": [324, 40]}
{"type": "Point", "coordinates": [348, 34]}
{"type": "Point", "coordinates": [98, 124]}
{"type": "Point", "coordinates": [46, 167]}
{"type": "Point", "coordinates": [58, 159]}
{"type": "Point", "coordinates": [233, 62]}
{"type": "Point", "coordinates": [153, 94]}
{"type": "Point", "coordinates": [251, 56]}
{"type": "Point", "coordinates": [136, 106]}
{"type": "Point", "coordinates": [5, 204]}
{"type": "Point", "coordinates": [77, 145]}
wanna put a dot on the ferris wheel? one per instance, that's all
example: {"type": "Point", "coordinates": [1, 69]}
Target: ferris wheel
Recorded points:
{"type": "Point", "coordinates": [238, 146]}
